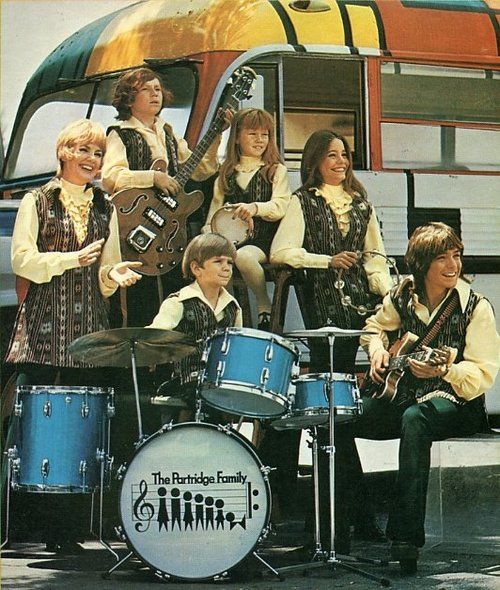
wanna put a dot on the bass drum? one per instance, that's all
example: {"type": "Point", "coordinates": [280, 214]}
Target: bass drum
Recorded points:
{"type": "Point", "coordinates": [194, 501]}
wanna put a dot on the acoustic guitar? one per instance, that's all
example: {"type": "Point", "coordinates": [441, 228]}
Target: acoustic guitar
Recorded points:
{"type": "Point", "coordinates": [400, 355]}
{"type": "Point", "coordinates": [152, 223]}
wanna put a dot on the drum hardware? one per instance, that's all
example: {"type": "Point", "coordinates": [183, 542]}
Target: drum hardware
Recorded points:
{"type": "Point", "coordinates": [331, 559]}
{"type": "Point", "coordinates": [173, 503]}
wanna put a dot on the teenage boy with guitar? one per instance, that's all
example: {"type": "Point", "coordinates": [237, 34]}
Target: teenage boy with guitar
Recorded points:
{"type": "Point", "coordinates": [434, 400]}
{"type": "Point", "coordinates": [141, 139]}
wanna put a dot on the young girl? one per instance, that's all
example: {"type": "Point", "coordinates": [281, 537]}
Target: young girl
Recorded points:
{"type": "Point", "coordinates": [254, 180]}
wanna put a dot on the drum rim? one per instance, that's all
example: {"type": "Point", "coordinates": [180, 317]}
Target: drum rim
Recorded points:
{"type": "Point", "coordinates": [229, 431]}
{"type": "Point", "coordinates": [221, 212]}
{"type": "Point", "coordinates": [306, 377]}
{"type": "Point", "coordinates": [259, 335]}
{"type": "Point", "coordinates": [55, 489]}
{"type": "Point", "coordinates": [240, 386]}
{"type": "Point", "coordinates": [64, 389]}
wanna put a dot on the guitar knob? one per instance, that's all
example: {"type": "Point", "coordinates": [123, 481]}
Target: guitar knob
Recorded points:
{"type": "Point", "coordinates": [181, 249]}
{"type": "Point", "coordinates": [160, 248]}
{"type": "Point", "coordinates": [160, 265]}
{"type": "Point", "coordinates": [173, 263]}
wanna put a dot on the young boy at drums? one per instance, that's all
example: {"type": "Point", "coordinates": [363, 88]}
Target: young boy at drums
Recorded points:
{"type": "Point", "coordinates": [199, 309]}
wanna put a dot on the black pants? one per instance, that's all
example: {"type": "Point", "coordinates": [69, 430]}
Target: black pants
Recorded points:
{"type": "Point", "coordinates": [417, 427]}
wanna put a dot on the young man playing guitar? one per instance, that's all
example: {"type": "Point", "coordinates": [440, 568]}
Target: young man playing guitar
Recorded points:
{"type": "Point", "coordinates": [434, 401]}
{"type": "Point", "coordinates": [141, 138]}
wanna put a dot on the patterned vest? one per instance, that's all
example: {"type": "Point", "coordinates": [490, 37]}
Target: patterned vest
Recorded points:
{"type": "Point", "coordinates": [199, 322]}
{"type": "Point", "coordinates": [259, 190]}
{"type": "Point", "coordinates": [452, 333]}
{"type": "Point", "coordinates": [139, 153]}
{"type": "Point", "coordinates": [322, 236]}
{"type": "Point", "coordinates": [53, 314]}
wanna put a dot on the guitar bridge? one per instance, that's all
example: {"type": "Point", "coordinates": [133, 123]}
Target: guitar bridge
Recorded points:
{"type": "Point", "coordinates": [140, 238]}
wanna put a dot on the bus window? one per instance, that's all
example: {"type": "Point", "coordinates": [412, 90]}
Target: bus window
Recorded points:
{"type": "Point", "coordinates": [464, 99]}
{"type": "Point", "coordinates": [321, 93]}
{"type": "Point", "coordinates": [44, 120]}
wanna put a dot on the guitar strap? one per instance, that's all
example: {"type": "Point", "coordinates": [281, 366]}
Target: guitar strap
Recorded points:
{"type": "Point", "coordinates": [435, 326]}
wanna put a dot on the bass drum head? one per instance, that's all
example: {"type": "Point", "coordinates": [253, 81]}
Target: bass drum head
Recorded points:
{"type": "Point", "coordinates": [194, 501]}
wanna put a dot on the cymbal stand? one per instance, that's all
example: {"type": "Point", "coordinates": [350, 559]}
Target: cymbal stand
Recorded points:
{"type": "Point", "coordinates": [332, 560]}
{"type": "Point", "coordinates": [136, 391]}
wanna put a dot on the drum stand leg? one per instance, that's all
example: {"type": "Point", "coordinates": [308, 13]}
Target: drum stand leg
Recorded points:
{"type": "Point", "coordinates": [268, 565]}
{"type": "Point", "coordinates": [7, 500]}
{"type": "Point", "coordinates": [106, 575]}
{"type": "Point", "coordinates": [101, 504]}
{"type": "Point", "coordinates": [136, 391]}
{"type": "Point", "coordinates": [332, 559]}
{"type": "Point", "coordinates": [318, 552]}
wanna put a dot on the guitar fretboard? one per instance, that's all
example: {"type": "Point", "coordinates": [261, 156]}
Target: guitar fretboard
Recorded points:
{"type": "Point", "coordinates": [399, 362]}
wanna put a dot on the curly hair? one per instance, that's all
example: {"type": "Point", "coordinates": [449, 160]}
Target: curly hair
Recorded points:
{"type": "Point", "coordinates": [127, 88]}
{"type": "Point", "coordinates": [426, 243]}
{"type": "Point", "coordinates": [82, 131]}
{"type": "Point", "coordinates": [315, 150]}
{"type": "Point", "coordinates": [203, 247]}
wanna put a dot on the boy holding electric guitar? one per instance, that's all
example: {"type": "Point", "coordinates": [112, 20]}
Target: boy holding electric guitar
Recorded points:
{"type": "Point", "coordinates": [453, 360]}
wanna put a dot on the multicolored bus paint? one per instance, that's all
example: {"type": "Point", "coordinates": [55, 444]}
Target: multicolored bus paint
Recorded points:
{"type": "Point", "coordinates": [414, 85]}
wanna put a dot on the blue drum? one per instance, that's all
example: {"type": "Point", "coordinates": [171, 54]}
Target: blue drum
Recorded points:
{"type": "Point", "coordinates": [248, 372]}
{"type": "Point", "coordinates": [309, 402]}
{"type": "Point", "coordinates": [61, 438]}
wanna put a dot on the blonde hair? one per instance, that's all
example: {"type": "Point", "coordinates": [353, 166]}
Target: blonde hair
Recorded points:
{"type": "Point", "coordinates": [83, 131]}
{"type": "Point", "coordinates": [202, 248]}
{"type": "Point", "coordinates": [250, 119]}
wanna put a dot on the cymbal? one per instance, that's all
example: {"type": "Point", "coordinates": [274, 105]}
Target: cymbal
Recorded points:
{"type": "Point", "coordinates": [325, 332]}
{"type": "Point", "coordinates": [111, 348]}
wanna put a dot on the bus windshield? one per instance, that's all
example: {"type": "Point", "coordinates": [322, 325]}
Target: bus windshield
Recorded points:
{"type": "Point", "coordinates": [31, 151]}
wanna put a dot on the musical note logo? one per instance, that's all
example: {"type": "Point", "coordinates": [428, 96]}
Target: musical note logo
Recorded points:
{"type": "Point", "coordinates": [143, 511]}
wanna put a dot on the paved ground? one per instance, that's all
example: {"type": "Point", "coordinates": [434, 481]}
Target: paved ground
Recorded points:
{"type": "Point", "coordinates": [440, 568]}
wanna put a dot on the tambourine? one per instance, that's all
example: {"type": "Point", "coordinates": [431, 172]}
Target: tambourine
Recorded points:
{"type": "Point", "coordinates": [233, 229]}
{"type": "Point", "coordinates": [339, 283]}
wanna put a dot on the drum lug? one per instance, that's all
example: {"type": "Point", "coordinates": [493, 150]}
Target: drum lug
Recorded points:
{"type": "Point", "coordinates": [223, 577]}
{"type": "Point", "coordinates": [266, 470]}
{"type": "Point", "coordinates": [120, 535]}
{"type": "Point", "coordinates": [163, 576]}
{"type": "Point", "coordinates": [18, 409]}
{"type": "Point", "coordinates": [111, 410]}
{"type": "Point", "coordinates": [47, 409]}
{"type": "Point", "coordinates": [264, 378]}
{"type": "Point", "coordinates": [100, 456]}
{"type": "Point", "coordinates": [121, 471]}
{"type": "Point", "coordinates": [45, 468]}
{"type": "Point", "coordinates": [268, 356]}
{"type": "Point", "coordinates": [221, 366]}
{"type": "Point", "coordinates": [167, 427]}
{"type": "Point", "coordinates": [226, 343]}
{"type": "Point", "coordinates": [85, 411]}
{"type": "Point", "coordinates": [225, 429]}
{"type": "Point", "coordinates": [12, 453]}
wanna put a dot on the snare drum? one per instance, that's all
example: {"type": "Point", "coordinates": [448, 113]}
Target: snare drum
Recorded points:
{"type": "Point", "coordinates": [194, 501]}
{"type": "Point", "coordinates": [309, 402]}
{"type": "Point", "coordinates": [234, 230]}
{"type": "Point", "coordinates": [248, 372]}
{"type": "Point", "coordinates": [61, 438]}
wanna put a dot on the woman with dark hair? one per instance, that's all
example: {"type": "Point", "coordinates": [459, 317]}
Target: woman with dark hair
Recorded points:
{"type": "Point", "coordinates": [328, 223]}
{"type": "Point", "coordinates": [434, 402]}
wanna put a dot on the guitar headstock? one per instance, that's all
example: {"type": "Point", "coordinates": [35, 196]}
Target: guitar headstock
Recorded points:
{"type": "Point", "coordinates": [237, 89]}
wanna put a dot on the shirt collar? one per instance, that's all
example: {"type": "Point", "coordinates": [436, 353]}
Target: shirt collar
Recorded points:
{"type": "Point", "coordinates": [194, 290]}
{"type": "Point", "coordinates": [134, 123]}
{"type": "Point", "coordinates": [462, 288]}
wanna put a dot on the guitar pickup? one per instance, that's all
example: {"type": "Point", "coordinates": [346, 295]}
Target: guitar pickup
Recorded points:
{"type": "Point", "coordinates": [156, 219]}
{"type": "Point", "coordinates": [140, 238]}
{"type": "Point", "coordinates": [167, 200]}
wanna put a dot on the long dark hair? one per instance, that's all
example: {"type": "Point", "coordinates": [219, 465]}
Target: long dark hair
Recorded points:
{"type": "Point", "coordinates": [129, 85]}
{"type": "Point", "coordinates": [316, 148]}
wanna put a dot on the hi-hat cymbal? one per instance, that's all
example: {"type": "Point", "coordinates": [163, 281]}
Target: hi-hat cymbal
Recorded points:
{"type": "Point", "coordinates": [325, 332]}
{"type": "Point", "coordinates": [112, 348]}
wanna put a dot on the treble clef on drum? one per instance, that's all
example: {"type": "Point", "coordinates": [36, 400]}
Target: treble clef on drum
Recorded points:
{"type": "Point", "coordinates": [143, 511]}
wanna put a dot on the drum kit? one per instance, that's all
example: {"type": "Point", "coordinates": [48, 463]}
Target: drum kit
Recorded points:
{"type": "Point", "coordinates": [195, 499]}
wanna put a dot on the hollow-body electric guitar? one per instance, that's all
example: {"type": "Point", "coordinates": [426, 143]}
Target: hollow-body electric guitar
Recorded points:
{"type": "Point", "coordinates": [152, 223]}
{"type": "Point", "coordinates": [400, 352]}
